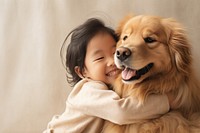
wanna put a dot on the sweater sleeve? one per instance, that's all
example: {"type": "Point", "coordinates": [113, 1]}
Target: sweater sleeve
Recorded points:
{"type": "Point", "coordinates": [95, 99]}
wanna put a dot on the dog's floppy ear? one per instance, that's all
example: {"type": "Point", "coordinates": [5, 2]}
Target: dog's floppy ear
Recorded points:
{"type": "Point", "coordinates": [180, 48]}
{"type": "Point", "coordinates": [122, 23]}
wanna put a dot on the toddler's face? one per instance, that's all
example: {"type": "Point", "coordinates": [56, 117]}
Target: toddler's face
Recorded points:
{"type": "Point", "coordinates": [99, 60]}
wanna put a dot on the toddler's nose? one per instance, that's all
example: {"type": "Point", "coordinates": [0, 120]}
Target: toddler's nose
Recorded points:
{"type": "Point", "coordinates": [111, 61]}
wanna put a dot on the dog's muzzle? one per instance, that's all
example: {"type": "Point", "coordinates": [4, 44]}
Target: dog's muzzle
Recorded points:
{"type": "Point", "coordinates": [128, 73]}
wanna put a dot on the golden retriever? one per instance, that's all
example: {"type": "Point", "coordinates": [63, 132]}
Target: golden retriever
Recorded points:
{"type": "Point", "coordinates": [155, 56]}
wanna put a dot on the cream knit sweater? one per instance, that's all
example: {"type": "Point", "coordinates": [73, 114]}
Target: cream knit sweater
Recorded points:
{"type": "Point", "coordinates": [90, 103]}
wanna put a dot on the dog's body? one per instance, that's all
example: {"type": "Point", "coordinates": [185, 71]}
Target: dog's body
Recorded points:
{"type": "Point", "coordinates": [155, 56]}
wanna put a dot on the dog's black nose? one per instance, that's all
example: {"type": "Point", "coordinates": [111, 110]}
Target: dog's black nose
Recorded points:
{"type": "Point", "coordinates": [123, 53]}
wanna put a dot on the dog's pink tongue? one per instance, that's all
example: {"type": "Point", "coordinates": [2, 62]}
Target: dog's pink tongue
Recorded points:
{"type": "Point", "coordinates": [128, 73]}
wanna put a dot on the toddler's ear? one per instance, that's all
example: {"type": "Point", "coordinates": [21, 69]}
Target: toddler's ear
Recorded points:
{"type": "Point", "coordinates": [78, 71]}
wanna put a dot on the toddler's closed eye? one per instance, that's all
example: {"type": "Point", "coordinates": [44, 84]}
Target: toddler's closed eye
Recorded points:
{"type": "Point", "coordinates": [98, 59]}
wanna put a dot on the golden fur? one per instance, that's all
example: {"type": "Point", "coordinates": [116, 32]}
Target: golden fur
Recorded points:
{"type": "Point", "coordinates": [172, 72]}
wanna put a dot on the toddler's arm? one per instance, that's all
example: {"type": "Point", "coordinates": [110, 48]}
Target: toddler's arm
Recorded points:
{"type": "Point", "coordinates": [95, 99]}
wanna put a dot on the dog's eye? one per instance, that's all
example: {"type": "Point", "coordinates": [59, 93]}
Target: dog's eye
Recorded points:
{"type": "Point", "coordinates": [125, 37]}
{"type": "Point", "coordinates": [149, 40]}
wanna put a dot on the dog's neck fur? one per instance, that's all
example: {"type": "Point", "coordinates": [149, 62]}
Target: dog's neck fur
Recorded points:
{"type": "Point", "coordinates": [178, 86]}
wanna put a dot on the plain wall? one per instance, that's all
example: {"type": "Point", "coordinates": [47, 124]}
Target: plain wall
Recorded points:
{"type": "Point", "coordinates": [33, 85]}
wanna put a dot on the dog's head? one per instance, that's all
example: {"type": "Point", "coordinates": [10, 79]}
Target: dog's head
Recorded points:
{"type": "Point", "coordinates": [153, 49]}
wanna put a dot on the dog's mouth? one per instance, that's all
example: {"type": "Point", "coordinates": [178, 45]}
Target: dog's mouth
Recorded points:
{"type": "Point", "coordinates": [129, 74]}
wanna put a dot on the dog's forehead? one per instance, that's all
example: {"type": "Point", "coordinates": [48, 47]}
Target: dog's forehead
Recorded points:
{"type": "Point", "coordinates": [143, 22]}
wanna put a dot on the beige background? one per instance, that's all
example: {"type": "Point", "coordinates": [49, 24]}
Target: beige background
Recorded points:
{"type": "Point", "coordinates": [32, 79]}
